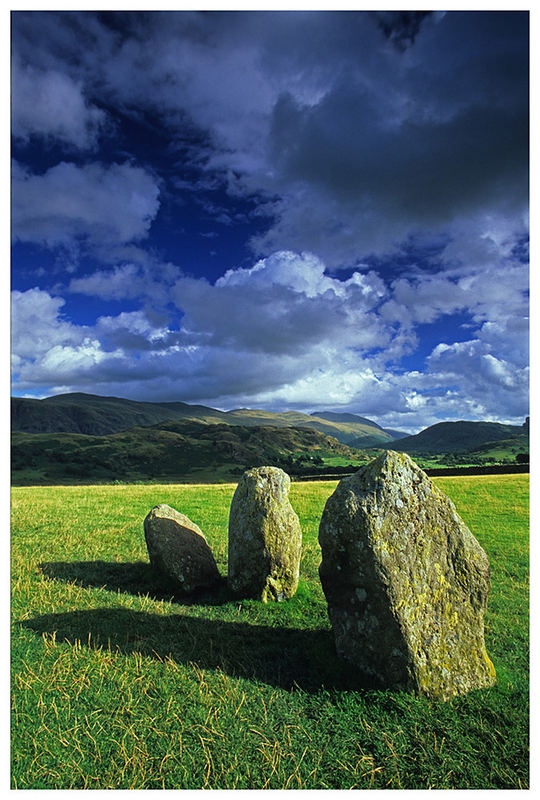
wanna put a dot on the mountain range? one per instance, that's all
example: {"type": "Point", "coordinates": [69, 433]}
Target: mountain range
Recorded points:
{"type": "Point", "coordinates": [93, 438]}
{"type": "Point", "coordinates": [95, 415]}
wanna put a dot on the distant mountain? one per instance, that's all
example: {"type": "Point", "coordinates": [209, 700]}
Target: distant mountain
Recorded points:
{"type": "Point", "coordinates": [357, 433]}
{"type": "Point", "coordinates": [396, 434]}
{"type": "Point", "coordinates": [173, 450]}
{"type": "Point", "coordinates": [455, 437]}
{"type": "Point", "coordinates": [334, 416]}
{"type": "Point", "coordinates": [95, 415]}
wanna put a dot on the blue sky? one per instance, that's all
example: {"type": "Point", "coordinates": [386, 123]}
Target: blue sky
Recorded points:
{"type": "Point", "coordinates": [308, 210]}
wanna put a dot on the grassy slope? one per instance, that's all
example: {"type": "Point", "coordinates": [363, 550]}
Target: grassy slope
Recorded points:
{"type": "Point", "coordinates": [117, 686]}
{"type": "Point", "coordinates": [505, 449]}
{"type": "Point", "coordinates": [451, 437]}
{"type": "Point", "coordinates": [357, 434]}
{"type": "Point", "coordinates": [176, 450]}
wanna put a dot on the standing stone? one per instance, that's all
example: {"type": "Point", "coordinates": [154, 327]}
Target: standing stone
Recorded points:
{"type": "Point", "coordinates": [405, 580]}
{"type": "Point", "coordinates": [265, 538]}
{"type": "Point", "coordinates": [177, 548]}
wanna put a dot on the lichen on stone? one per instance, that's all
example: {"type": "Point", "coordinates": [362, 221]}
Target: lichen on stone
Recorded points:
{"type": "Point", "coordinates": [405, 580]}
{"type": "Point", "coordinates": [265, 538]}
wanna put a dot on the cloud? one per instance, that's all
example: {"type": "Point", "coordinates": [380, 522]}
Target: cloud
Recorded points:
{"type": "Point", "coordinates": [401, 27]}
{"type": "Point", "coordinates": [283, 301]}
{"type": "Point", "coordinates": [394, 148]}
{"type": "Point", "coordinates": [402, 143]}
{"type": "Point", "coordinates": [49, 104]}
{"type": "Point", "coordinates": [122, 283]}
{"type": "Point", "coordinates": [490, 294]}
{"type": "Point", "coordinates": [37, 324]}
{"type": "Point", "coordinates": [489, 381]}
{"type": "Point", "coordinates": [304, 273]}
{"type": "Point", "coordinates": [97, 204]}
{"type": "Point", "coordinates": [135, 332]}
{"type": "Point", "coordinates": [62, 362]}
{"type": "Point", "coordinates": [148, 279]}
{"type": "Point", "coordinates": [284, 333]}
{"type": "Point", "coordinates": [354, 142]}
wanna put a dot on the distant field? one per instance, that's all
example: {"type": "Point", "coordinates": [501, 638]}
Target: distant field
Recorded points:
{"type": "Point", "coordinates": [117, 686]}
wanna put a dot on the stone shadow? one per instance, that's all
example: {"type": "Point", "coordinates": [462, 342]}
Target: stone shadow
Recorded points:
{"type": "Point", "coordinates": [283, 657]}
{"type": "Point", "coordinates": [136, 578]}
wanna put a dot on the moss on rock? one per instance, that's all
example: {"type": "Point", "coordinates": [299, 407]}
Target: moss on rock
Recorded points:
{"type": "Point", "coordinates": [265, 538]}
{"type": "Point", "coordinates": [405, 580]}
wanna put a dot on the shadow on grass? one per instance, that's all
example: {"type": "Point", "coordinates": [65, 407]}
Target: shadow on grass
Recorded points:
{"type": "Point", "coordinates": [136, 578]}
{"type": "Point", "coordinates": [283, 657]}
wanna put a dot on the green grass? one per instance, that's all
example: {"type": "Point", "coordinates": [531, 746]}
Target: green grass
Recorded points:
{"type": "Point", "coordinates": [342, 461]}
{"type": "Point", "coordinates": [117, 685]}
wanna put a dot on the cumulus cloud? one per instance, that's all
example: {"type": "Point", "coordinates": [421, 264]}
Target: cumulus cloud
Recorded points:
{"type": "Point", "coordinates": [98, 204]}
{"type": "Point", "coordinates": [498, 291]}
{"type": "Point", "coordinates": [489, 381]}
{"type": "Point", "coordinates": [149, 279]}
{"type": "Point", "coordinates": [304, 273]}
{"type": "Point", "coordinates": [37, 324]}
{"type": "Point", "coordinates": [133, 332]}
{"type": "Point", "coordinates": [62, 362]}
{"type": "Point", "coordinates": [284, 333]}
{"type": "Point", "coordinates": [282, 300]}
{"type": "Point", "coordinates": [49, 104]}
{"type": "Point", "coordinates": [46, 347]}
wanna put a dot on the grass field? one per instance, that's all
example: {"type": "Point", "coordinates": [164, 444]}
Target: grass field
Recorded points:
{"type": "Point", "coordinates": [117, 685]}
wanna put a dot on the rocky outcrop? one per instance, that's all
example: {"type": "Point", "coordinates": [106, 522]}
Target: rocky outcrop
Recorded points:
{"type": "Point", "coordinates": [178, 549]}
{"type": "Point", "coordinates": [265, 538]}
{"type": "Point", "coordinates": [405, 580]}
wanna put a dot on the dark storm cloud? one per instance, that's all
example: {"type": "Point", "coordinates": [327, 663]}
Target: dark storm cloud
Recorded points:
{"type": "Point", "coordinates": [425, 171]}
{"type": "Point", "coordinates": [432, 136]}
{"type": "Point", "coordinates": [321, 110]}
{"type": "Point", "coordinates": [401, 27]}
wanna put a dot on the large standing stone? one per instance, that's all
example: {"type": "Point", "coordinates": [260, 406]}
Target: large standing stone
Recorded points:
{"type": "Point", "coordinates": [178, 549]}
{"type": "Point", "coordinates": [265, 538]}
{"type": "Point", "coordinates": [405, 580]}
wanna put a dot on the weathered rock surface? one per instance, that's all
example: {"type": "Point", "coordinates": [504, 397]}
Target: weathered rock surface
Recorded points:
{"type": "Point", "coordinates": [405, 580]}
{"type": "Point", "coordinates": [265, 538]}
{"type": "Point", "coordinates": [178, 549]}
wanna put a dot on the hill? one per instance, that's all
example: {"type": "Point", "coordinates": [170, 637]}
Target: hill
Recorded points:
{"type": "Point", "coordinates": [95, 415]}
{"type": "Point", "coordinates": [461, 437]}
{"type": "Point", "coordinates": [356, 419]}
{"type": "Point", "coordinates": [335, 416]}
{"type": "Point", "coordinates": [173, 450]}
{"type": "Point", "coordinates": [358, 433]}
{"type": "Point", "coordinates": [395, 434]}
